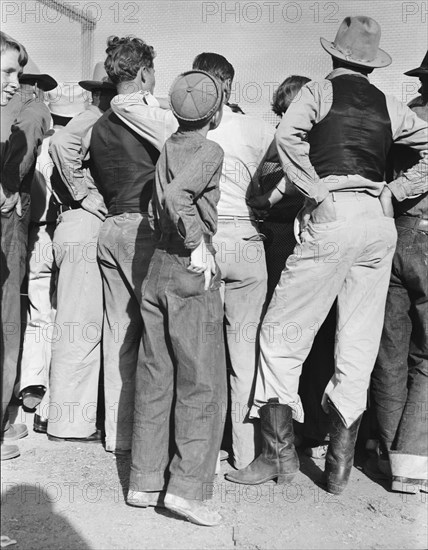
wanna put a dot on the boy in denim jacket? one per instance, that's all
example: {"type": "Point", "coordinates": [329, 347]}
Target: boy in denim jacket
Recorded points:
{"type": "Point", "coordinates": [181, 383]}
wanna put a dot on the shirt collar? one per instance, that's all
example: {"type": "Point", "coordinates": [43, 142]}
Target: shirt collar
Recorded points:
{"type": "Point", "coordinates": [342, 71]}
{"type": "Point", "coordinates": [95, 109]}
{"type": "Point", "coordinates": [143, 97]}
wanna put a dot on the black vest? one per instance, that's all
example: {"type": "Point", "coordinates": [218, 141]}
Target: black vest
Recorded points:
{"type": "Point", "coordinates": [123, 165]}
{"type": "Point", "coordinates": [355, 136]}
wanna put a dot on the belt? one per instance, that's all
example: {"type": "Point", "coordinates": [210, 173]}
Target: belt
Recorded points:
{"type": "Point", "coordinates": [412, 222]}
{"type": "Point", "coordinates": [65, 207]}
{"type": "Point", "coordinates": [233, 218]}
{"type": "Point", "coordinates": [38, 224]}
{"type": "Point", "coordinates": [340, 195]}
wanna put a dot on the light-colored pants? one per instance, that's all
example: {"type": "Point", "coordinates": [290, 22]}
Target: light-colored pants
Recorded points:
{"type": "Point", "coordinates": [76, 342]}
{"type": "Point", "coordinates": [348, 258]}
{"type": "Point", "coordinates": [125, 248]}
{"type": "Point", "coordinates": [244, 283]}
{"type": "Point", "coordinates": [36, 352]}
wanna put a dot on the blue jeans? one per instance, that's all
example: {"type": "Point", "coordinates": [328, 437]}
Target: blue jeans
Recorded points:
{"type": "Point", "coordinates": [125, 248]}
{"type": "Point", "coordinates": [14, 238]}
{"type": "Point", "coordinates": [180, 395]}
{"type": "Point", "coordinates": [400, 376]}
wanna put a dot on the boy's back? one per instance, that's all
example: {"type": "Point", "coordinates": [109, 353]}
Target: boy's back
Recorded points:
{"type": "Point", "coordinates": [187, 174]}
{"type": "Point", "coordinates": [183, 368]}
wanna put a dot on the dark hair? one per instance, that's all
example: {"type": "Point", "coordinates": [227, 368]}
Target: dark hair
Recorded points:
{"type": "Point", "coordinates": [8, 43]}
{"type": "Point", "coordinates": [286, 92]}
{"type": "Point", "coordinates": [214, 64]}
{"type": "Point", "coordinates": [126, 56]}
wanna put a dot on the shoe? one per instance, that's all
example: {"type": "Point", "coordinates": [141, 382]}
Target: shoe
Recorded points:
{"type": "Point", "coordinates": [40, 425]}
{"type": "Point", "coordinates": [340, 453]}
{"type": "Point", "coordinates": [143, 499]}
{"type": "Point", "coordinates": [193, 510]}
{"type": "Point", "coordinates": [9, 451]}
{"type": "Point", "coordinates": [32, 396]}
{"type": "Point", "coordinates": [278, 459]}
{"type": "Point", "coordinates": [14, 432]}
{"type": "Point", "coordinates": [317, 452]}
{"type": "Point", "coordinates": [94, 438]}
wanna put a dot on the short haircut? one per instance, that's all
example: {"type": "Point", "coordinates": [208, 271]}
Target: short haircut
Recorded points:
{"type": "Point", "coordinates": [126, 56]}
{"type": "Point", "coordinates": [215, 65]}
{"type": "Point", "coordinates": [8, 43]}
{"type": "Point", "coordinates": [286, 92]}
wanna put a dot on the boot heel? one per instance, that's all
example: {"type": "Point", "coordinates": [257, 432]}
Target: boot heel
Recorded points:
{"type": "Point", "coordinates": [284, 479]}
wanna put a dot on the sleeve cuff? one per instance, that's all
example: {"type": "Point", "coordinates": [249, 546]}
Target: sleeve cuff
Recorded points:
{"type": "Point", "coordinates": [322, 192]}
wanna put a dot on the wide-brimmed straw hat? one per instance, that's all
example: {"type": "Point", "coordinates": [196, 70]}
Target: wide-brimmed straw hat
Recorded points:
{"type": "Point", "coordinates": [32, 75]}
{"type": "Point", "coordinates": [357, 43]}
{"type": "Point", "coordinates": [100, 80]}
{"type": "Point", "coordinates": [66, 100]}
{"type": "Point", "coordinates": [423, 69]}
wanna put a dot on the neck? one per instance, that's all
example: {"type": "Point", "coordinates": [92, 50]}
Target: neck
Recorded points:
{"type": "Point", "coordinates": [202, 131]}
{"type": "Point", "coordinates": [131, 87]}
{"type": "Point", "coordinates": [362, 70]}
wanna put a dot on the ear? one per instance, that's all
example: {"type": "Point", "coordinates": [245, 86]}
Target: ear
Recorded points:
{"type": "Point", "coordinates": [227, 90]}
{"type": "Point", "coordinates": [143, 71]}
{"type": "Point", "coordinates": [216, 119]}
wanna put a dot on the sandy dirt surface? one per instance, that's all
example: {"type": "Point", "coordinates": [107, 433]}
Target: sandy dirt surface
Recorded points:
{"type": "Point", "coordinates": [66, 496]}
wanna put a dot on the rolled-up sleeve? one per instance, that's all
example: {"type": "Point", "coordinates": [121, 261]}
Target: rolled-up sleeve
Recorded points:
{"type": "Point", "coordinates": [149, 121]}
{"type": "Point", "coordinates": [307, 109]}
{"type": "Point", "coordinates": [68, 152]}
{"type": "Point", "coordinates": [412, 131]}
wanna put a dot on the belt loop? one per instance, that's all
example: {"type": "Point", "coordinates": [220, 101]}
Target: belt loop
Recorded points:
{"type": "Point", "coordinates": [333, 196]}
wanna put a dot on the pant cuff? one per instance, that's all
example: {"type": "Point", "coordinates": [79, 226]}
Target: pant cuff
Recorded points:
{"type": "Point", "coordinates": [408, 466]}
{"type": "Point", "coordinates": [153, 481]}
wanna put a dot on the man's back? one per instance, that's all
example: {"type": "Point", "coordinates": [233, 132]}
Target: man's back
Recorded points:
{"type": "Point", "coordinates": [245, 140]}
{"type": "Point", "coordinates": [123, 165]}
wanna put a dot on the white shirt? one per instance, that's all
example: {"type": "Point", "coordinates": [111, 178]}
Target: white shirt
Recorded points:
{"type": "Point", "coordinates": [244, 140]}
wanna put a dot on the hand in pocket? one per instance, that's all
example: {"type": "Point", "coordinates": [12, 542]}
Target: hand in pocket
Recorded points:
{"type": "Point", "coordinates": [325, 212]}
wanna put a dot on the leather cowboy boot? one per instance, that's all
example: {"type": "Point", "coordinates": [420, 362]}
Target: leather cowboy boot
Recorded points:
{"type": "Point", "coordinates": [278, 459]}
{"type": "Point", "coordinates": [340, 454]}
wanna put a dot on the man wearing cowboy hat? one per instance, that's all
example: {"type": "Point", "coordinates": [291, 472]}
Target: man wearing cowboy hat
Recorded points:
{"type": "Point", "coordinates": [24, 122]}
{"type": "Point", "coordinates": [347, 240]}
{"type": "Point", "coordinates": [76, 353]}
{"type": "Point", "coordinates": [419, 103]}
{"type": "Point", "coordinates": [34, 83]}
{"type": "Point", "coordinates": [399, 379]}
{"type": "Point", "coordinates": [39, 332]}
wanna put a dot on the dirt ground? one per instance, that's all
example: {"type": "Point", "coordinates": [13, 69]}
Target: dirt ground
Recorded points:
{"type": "Point", "coordinates": [66, 496]}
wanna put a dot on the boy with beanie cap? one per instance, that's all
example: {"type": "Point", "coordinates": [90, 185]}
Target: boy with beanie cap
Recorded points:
{"type": "Point", "coordinates": [183, 371]}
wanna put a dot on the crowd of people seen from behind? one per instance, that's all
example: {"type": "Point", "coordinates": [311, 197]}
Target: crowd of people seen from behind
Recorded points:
{"type": "Point", "coordinates": [201, 286]}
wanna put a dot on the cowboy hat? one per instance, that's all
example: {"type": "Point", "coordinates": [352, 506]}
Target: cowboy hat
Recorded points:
{"type": "Point", "coordinates": [423, 69]}
{"type": "Point", "coordinates": [32, 75]}
{"type": "Point", "coordinates": [357, 43]}
{"type": "Point", "coordinates": [100, 80]}
{"type": "Point", "coordinates": [66, 100]}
